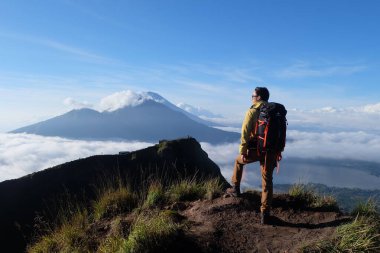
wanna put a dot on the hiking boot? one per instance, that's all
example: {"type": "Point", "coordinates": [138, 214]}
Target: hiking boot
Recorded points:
{"type": "Point", "coordinates": [234, 191]}
{"type": "Point", "coordinates": [264, 218]}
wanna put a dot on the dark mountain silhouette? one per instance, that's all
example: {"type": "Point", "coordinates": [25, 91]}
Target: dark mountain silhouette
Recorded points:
{"type": "Point", "coordinates": [150, 121]}
{"type": "Point", "coordinates": [21, 199]}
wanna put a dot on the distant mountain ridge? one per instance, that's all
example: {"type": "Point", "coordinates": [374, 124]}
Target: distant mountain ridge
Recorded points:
{"type": "Point", "coordinates": [148, 121]}
{"type": "Point", "coordinates": [164, 101]}
{"type": "Point", "coordinates": [347, 198]}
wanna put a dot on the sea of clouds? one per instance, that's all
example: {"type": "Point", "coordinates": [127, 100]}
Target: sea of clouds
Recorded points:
{"type": "Point", "coordinates": [22, 154]}
{"type": "Point", "coordinates": [312, 157]}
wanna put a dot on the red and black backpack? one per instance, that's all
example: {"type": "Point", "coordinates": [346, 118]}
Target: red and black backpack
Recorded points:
{"type": "Point", "coordinates": [270, 130]}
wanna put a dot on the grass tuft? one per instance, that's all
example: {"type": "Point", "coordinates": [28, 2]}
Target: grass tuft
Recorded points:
{"type": "Point", "coordinates": [145, 230]}
{"type": "Point", "coordinates": [69, 237]}
{"type": "Point", "coordinates": [155, 196]}
{"type": "Point", "coordinates": [312, 199]}
{"type": "Point", "coordinates": [113, 202]}
{"type": "Point", "coordinates": [360, 235]}
{"type": "Point", "coordinates": [151, 233]}
{"type": "Point", "coordinates": [213, 187]}
{"type": "Point", "coordinates": [112, 244]}
{"type": "Point", "coordinates": [368, 208]}
{"type": "Point", "coordinates": [186, 190]}
{"type": "Point", "coordinates": [189, 190]}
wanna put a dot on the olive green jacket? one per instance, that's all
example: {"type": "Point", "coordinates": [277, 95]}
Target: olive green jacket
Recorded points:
{"type": "Point", "coordinates": [248, 127]}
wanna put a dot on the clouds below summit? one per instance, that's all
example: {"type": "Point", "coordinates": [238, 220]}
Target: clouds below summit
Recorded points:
{"type": "Point", "coordinates": [21, 154]}
{"type": "Point", "coordinates": [198, 111]}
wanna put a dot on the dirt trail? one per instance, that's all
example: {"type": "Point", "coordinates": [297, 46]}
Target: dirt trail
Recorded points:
{"type": "Point", "coordinates": [232, 224]}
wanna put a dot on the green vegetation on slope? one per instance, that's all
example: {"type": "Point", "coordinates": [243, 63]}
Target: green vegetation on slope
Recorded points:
{"type": "Point", "coordinates": [151, 226]}
{"type": "Point", "coordinates": [113, 202]}
{"type": "Point", "coordinates": [312, 199]}
{"type": "Point", "coordinates": [147, 223]}
{"type": "Point", "coordinates": [360, 235]}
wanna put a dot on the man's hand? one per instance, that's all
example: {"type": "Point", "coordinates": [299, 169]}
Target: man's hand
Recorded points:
{"type": "Point", "coordinates": [244, 158]}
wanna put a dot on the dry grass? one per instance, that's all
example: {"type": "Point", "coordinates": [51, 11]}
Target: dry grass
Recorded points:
{"type": "Point", "coordinates": [69, 237]}
{"type": "Point", "coordinates": [149, 233]}
{"type": "Point", "coordinates": [312, 199]}
{"type": "Point", "coordinates": [150, 229]}
{"type": "Point", "coordinates": [360, 235]}
{"type": "Point", "coordinates": [113, 202]}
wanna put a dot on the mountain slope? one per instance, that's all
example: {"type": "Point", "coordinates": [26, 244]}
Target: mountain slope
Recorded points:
{"type": "Point", "coordinates": [157, 97]}
{"type": "Point", "coordinates": [21, 199]}
{"type": "Point", "coordinates": [213, 223]}
{"type": "Point", "coordinates": [149, 121]}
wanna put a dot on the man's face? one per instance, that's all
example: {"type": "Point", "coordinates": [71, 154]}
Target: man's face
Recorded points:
{"type": "Point", "coordinates": [255, 98]}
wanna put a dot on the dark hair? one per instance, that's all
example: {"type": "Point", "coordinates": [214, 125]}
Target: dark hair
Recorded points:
{"type": "Point", "coordinates": [263, 93]}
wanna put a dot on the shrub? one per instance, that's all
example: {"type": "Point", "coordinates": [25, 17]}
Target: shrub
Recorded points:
{"type": "Point", "coordinates": [113, 202]}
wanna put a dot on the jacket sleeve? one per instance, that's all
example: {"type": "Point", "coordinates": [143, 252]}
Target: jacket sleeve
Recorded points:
{"type": "Point", "coordinates": [246, 130]}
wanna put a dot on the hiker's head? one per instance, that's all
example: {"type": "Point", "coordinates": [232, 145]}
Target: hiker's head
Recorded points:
{"type": "Point", "coordinates": [260, 93]}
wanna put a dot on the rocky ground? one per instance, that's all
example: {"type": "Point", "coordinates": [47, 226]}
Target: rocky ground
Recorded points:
{"type": "Point", "coordinates": [228, 224]}
{"type": "Point", "coordinates": [232, 224]}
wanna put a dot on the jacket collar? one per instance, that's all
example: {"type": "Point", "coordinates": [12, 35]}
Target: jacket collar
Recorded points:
{"type": "Point", "coordinates": [258, 104]}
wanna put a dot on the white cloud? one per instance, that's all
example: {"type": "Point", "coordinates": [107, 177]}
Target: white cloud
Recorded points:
{"type": "Point", "coordinates": [304, 69]}
{"type": "Point", "coordinates": [124, 98]}
{"type": "Point", "coordinates": [374, 108]}
{"type": "Point", "coordinates": [70, 102]}
{"type": "Point", "coordinates": [301, 144]}
{"type": "Point", "coordinates": [360, 118]}
{"type": "Point", "coordinates": [234, 122]}
{"type": "Point", "coordinates": [229, 129]}
{"type": "Point", "coordinates": [198, 111]}
{"type": "Point", "coordinates": [21, 154]}
{"type": "Point", "coordinates": [79, 52]}
{"type": "Point", "coordinates": [327, 109]}
{"type": "Point", "coordinates": [340, 146]}
{"type": "Point", "coordinates": [368, 109]}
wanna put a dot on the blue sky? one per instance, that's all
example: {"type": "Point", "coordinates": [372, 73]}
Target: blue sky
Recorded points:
{"type": "Point", "coordinates": [310, 54]}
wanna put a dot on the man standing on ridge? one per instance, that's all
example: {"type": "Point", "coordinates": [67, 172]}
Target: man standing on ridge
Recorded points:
{"type": "Point", "coordinates": [248, 154]}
